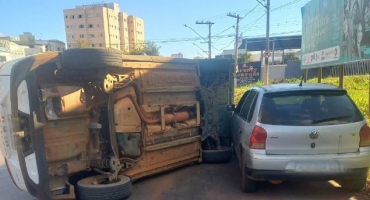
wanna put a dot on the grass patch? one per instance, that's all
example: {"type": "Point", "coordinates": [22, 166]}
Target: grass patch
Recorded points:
{"type": "Point", "coordinates": [356, 86]}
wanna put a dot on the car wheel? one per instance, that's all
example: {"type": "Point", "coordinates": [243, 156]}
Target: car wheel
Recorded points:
{"type": "Point", "coordinates": [247, 185]}
{"type": "Point", "coordinates": [97, 188]}
{"type": "Point", "coordinates": [353, 184]}
{"type": "Point", "coordinates": [90, 58]}
{"type": "Point", "coordinates": [216, 156]}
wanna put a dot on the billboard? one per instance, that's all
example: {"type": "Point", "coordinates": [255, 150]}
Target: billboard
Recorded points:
{"type": "Point", "coordinates": [335, 32]}
{"type": "Point", "coordinates": [248, 73]}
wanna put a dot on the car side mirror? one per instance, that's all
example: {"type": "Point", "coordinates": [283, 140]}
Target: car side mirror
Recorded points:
{"type": "Point", "coordinates": [231, 107]}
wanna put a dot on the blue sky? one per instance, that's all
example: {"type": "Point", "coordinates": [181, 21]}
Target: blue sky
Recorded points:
{"type": "Point", "coordinates": [164, 20]}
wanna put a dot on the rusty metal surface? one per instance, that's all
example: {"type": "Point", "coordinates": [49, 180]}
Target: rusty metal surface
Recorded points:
{"type": "Point", "coordinates": [165, 159]}
{"type": "Point", "coordinates": [67, 100]}
{"type": "Point", "coordinates": [126, 117]}
{"type": "Point", "coordinates": [66, 139]}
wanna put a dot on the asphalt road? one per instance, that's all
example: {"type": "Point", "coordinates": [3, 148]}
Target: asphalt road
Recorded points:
{"type": "Point", "coordinates": [208, 182]}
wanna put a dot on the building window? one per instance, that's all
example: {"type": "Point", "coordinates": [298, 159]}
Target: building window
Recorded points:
{"type": "Point", "coordinates": [101, 35]}
{"type": "Point", "coordinates": [91, 35]}
{"type": "Point", "coordinates": [73, 36]}
{"type": "Point", "coordinates": [69, 45]}
{"type": "Point", "coordinates": [67, 26]}
{"type": "Point", "coordinates": [82, 36]}
{"type": "Point", "coordinates": [58, 48]}
{"type": "Point", "coordinates": [72, 16]}
{"type": "Point", "coordinates": [66, 16]}
{"type": "Point", "coordinates": [97, 15]}
{"type": "Point", "coordinates": [98, 25]}
{"type": "Point", "coordinates": [100, 45]}
{"type": "Point", "coordinates": [81, 26]}
{"type": "Point", "coordinates": [79, 16]}
{"type": "Point", "coordinates": [91, 26]}
{"type": "Point", "coordinates": [89, 16]}
{"type": "Point", "coordinates": [131, 22]}
{"type": "Point", "coordinates": [92, 45]}
{"type": "Point", "coordinates": [124, 20]}
{"type": "Point", "coordinates": [125, 29]}
{"type": "Point", "coordinates": [72, 26]}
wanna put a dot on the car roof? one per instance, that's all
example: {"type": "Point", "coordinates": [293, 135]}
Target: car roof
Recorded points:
{"type": "Point", "coordinates": [285, 87]}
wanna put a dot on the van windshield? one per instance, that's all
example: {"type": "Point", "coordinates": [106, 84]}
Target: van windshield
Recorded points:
{"type": "Point", "coordinates": [309, 108]}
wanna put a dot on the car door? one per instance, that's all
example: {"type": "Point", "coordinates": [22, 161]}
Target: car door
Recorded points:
{"type": "Point", "coordinates": [242, 119]}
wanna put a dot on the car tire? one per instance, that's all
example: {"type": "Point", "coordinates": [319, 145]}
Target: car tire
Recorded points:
{"type": "Point", "coordinates": [247, 185]}
{"type": "Point", "coordinates": [354, 184]}
{"type": "Point", "coordinates": [120, 189]}
{"type": "Point", "coordinates": [217, 156]}
{"type": "Point", "coordinates": [90, 58]}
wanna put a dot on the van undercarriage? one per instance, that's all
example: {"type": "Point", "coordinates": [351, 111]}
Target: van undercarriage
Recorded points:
{"type": "Point", "coordinates": [96, 117]}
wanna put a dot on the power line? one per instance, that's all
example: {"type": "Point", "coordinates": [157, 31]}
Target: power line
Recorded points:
{"type": "Point", "coordinates": [209, 36]}
{"type": "Point", "coordinates": [240, 20]}
{"type": "Point", "coordinates": [195, 32]}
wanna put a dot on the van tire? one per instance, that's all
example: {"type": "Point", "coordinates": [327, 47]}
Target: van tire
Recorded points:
{"type": "Point", "coordinates": [217, 156]}
{"type": "Point", "coordinates": [355, 185]}
{"type": "Point", "coordinates": [90, 58]}
{"type": "Point", "coordinates": [120, 189]}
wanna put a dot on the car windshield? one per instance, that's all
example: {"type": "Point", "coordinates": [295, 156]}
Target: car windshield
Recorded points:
{"type": "Point", "coordinates": [308, 109]}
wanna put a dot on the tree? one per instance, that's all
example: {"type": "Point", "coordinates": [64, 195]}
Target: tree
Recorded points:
{"type": "Point", "coordinates": [290, 56]}
{"type": "Point", "coordinates": [244, 57]}
{"type": "Point", "coordinates": [149, 48]}
{"type": "Point", "coordinates": [83, 43]}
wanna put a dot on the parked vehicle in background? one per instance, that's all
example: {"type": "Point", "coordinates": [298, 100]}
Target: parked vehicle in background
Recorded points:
{"type": "Point", "coordinates": [87, 122]}
{"type": "Point", "coordinates": [300, 132]}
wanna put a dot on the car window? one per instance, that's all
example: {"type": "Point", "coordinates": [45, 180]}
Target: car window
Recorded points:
{"type": "Point", "coordinates": [248, 105]}
{"type": "Point", "coordinates": [308, 108]}
{"type": "Point", "coordinates": [241, 102]}
{"type": "Point", "coordinates": [251, 112]}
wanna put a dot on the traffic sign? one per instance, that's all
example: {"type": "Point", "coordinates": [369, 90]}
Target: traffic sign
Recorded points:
{"type": "Point", "coordinates": [266, 55]}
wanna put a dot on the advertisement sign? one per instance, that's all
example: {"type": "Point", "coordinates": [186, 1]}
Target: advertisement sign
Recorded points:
{"type": "Point", "coordinates": [248, 73]}
{"type": "Point", "coordinates": [335, 32]}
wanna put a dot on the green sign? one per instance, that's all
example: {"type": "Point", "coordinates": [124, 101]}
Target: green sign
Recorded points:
{"type": "Point", "coordinates": [335, 32]}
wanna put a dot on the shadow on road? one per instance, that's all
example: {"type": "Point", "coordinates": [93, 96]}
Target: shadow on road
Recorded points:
{"type": "Point", "coordinates": [221, 181]}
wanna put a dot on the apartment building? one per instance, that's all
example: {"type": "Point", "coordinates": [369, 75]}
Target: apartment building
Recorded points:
{"type": "Point", "coordinates": [101, 25]}
{"type": "Point", "coordinates": [136, 32]}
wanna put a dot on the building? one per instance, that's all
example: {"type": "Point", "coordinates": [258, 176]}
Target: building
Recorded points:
{"type": "Point", "coordinates": [177, 55]}
{"type": "Point", "coordinates": [10, 51]}
{"type": "Point", "coordinates": [26, 39]}
{"type": "Point", "coordinates": [102, 25]}
{"type": "Point", "coordinates": [25, 45]}
{"type": "Point", "coordinates": [136, 32]}
{"type": "Point", "coordinates": [51, 45]}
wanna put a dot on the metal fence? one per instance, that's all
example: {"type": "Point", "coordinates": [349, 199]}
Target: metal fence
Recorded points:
{"type": "Point", "coordinates": [351, 69]}
{"type": "Point", "coordinates": [293, 70]}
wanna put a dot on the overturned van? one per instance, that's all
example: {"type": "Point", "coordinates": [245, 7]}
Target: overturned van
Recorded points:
{"type": "Point", "coordinates": [86, 123]}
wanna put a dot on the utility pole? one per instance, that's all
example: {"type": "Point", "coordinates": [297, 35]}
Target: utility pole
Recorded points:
{"type": "Point", "coordinates": [209, 36]}
{"type": "Point", "coordinates": [267, 50]}
{"type": "Point", "coordinates": [236, 45]}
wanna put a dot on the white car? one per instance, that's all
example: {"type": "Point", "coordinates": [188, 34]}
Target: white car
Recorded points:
{"type": "Point", "coordinates": [300, 132]}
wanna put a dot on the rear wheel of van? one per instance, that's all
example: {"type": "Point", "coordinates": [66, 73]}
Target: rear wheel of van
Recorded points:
{"type": "Point", "coordinates": [91, 58]}
{"type": "Point", "coordinates": [247, 185]}
{"type": "Point", "coordinates": [354, 184]}
{"type": "Point", "coordinates": [217, 156]}
{"type": "Point", "coordinates": [98, 188]}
